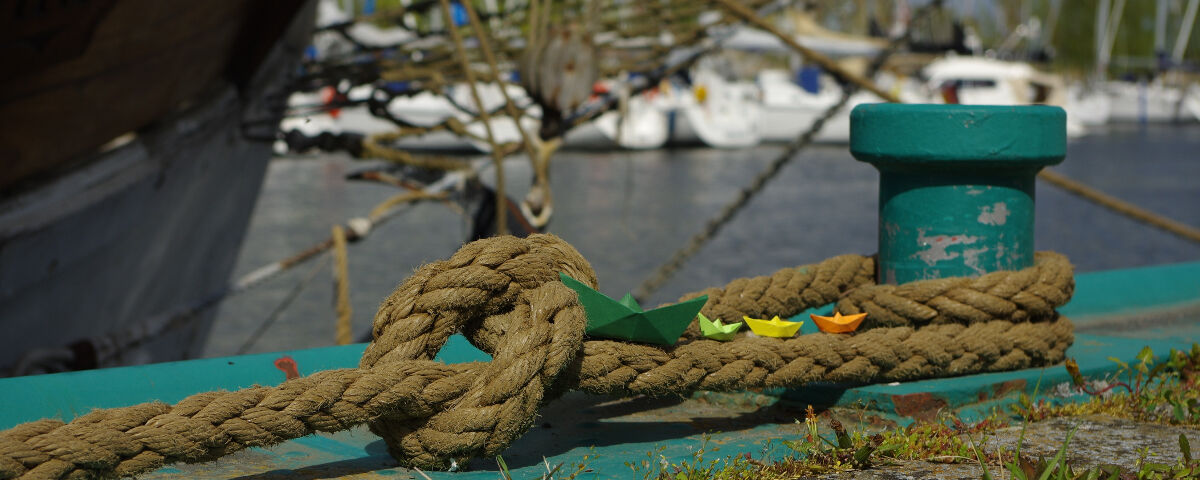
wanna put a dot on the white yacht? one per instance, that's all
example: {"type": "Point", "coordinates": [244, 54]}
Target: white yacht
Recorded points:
{"type": "Point", "coordinates": [421, 109]}
{"type": "Point", "coordinates": [636, 124]}
{"type": "Point", "coordinates": [987, 81]}
{"type": "Point", "coordinates": [1152, 102]}
{"type": "Point", "coordinates": [1089, 106]}
{"type": "Point", "coordinates": [789, 110]}
{"type": "Point", "coordinates": [712, 111]}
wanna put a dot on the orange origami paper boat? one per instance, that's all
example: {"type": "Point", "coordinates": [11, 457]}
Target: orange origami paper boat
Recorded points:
{"type": "Point", "coordinates": [838, 323]}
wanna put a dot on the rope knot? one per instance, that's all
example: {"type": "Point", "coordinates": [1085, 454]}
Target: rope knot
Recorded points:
{"type": "Point", "coordinates": [504, 295]}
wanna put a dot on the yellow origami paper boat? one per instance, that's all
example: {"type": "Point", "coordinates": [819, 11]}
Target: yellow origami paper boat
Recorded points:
{"type": "Point", "coordinates": [838, 323]}
{"type": "Point", "coordinates": [773, 328]}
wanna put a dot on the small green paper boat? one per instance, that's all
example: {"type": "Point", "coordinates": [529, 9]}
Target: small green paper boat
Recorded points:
{"type": "Point", "coordinates": [715, 330]}
{"type": "Point", "coordinates": [625, 320]}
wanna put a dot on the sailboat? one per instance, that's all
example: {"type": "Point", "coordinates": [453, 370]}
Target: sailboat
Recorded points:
{"type": "Point", "coordinates": [1147, 101]}
{"type": "Point", "coordinates": [1151, 102]}
{"type": "Point", "coordinates": [638, 124]}
{"type": "Point", "coordinates": [988, 81]}
{"type": "Point", "coordinates": [317, 115]}
{"type": "Point", "coordinates": [711, 111]}
{"type": "Point", "coordinates": [789, 110]}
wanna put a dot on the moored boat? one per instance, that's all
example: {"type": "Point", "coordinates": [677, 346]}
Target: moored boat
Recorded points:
{"type": "Point", "coordinates": [130, 178]}
{"type": "Point", "coordinates": [712, 111]}
{"type": "Point", "coordinates": [1151, 102]}
{"type": "Point", "coordinates": [988, 81]}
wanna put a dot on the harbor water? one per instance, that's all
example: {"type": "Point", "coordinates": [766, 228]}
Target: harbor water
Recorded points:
{"type": "Point", "coordinates": [628, 212]}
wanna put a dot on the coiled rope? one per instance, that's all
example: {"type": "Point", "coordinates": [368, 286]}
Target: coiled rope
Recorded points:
{"type": "Point", "coordinates": [504, 295]}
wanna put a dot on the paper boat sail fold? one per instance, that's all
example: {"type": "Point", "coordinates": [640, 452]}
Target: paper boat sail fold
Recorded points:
{"type": "Point", "coordinates": [625, 320]}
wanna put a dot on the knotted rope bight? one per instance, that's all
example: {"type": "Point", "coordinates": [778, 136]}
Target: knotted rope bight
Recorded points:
{"type": "Point", "coordinates": [504, 295]}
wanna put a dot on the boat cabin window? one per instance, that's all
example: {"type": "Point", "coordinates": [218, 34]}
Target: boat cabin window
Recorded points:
{"type": "Point", "coordinates": [1039, 92]}
{"type": "Point", "coordinates": [961, 83]}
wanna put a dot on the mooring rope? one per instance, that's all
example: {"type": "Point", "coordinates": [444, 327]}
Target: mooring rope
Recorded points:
{"type": "Point", "coordinates": [504, 295]}
{"type": "Point", "coordinates": [664, 272]}
{"type": "Point", "coordinates": [341, 286]}
{"type": "Point", "coordinates": [1121, 207]}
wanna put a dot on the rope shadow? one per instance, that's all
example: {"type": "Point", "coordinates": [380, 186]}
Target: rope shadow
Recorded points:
{"type": "Point", "coordinates": [588, 426]}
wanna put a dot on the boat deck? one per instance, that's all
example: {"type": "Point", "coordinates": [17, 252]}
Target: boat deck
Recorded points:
{"type": "Point", "coordinates": [1116, 313]}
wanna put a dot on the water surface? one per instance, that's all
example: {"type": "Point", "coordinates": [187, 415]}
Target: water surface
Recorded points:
{"type": "Point", "coordinates": [627, 212]}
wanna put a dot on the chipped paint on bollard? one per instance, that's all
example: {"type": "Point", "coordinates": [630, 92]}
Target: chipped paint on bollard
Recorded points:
{"type": "Point", "coordinates": [956, 184]}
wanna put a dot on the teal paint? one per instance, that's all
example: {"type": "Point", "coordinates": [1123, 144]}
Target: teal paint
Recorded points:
{"type": "Point", "coordinates": [65, 396]}
{"type": "Point", "coordinates": [1119, 292]}
{"type": "Point", "coordinates": [956, 188]}
{"type": "Point", "coordinates": [582, 425]}
{"type": "Point", "coordinates": [973, 397]}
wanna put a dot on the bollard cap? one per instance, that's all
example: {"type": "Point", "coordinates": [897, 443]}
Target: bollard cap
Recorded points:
{"type": "Point", "coordinates": [934, 135]}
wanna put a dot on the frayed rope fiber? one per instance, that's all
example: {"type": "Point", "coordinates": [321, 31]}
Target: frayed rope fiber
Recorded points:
{"type": "Point", "coordinates": [505, 296]}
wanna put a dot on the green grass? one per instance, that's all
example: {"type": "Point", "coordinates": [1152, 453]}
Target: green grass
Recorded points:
{"type": "Point", "coordinates": [1148, 390]}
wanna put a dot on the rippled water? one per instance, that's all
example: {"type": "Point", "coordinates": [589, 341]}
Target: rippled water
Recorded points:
{"type": "Point", "coordinates": [629, 211]}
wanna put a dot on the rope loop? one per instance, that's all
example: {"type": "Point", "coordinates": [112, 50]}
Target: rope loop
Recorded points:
{"type": "Point", "coordinates": [504, 294]}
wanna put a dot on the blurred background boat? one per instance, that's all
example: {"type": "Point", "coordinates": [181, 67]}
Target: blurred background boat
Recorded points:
{"type": "Point", "coordinates": [1152, 102]}
{"type": "Point", "coordinates": [85, 197]}
{"type": "Point", "coordinates": [135, 140]}
{"type": "Point", "coordinates": [986, 81]}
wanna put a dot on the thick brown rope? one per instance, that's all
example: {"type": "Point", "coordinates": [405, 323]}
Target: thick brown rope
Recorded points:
{"type": "Point", "coordinates": [504, 296]}
{"type": "Point", "coordinates": [1119, 206]}
{"type": "Point", "coordinates": [341, 287]}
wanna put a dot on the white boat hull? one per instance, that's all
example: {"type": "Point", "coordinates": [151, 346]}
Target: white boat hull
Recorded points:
{"type": "Point", "coordinates": [714, 113]}
{"type": "Point", "coordinates": [1148, 103]}
{"type": "Point", "coordinates": [424, 109]}
{"type": "Point", "coordinates": [640, 127]}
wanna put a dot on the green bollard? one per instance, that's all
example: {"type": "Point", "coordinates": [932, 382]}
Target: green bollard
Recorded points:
{"type": "Point", "coordinates": [956, 184]}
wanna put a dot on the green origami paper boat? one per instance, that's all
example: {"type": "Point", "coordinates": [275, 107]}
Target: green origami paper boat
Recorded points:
{"type": "Point", "coordinates": [625, 320]}
{"type": "Point", "coordinates": [715, 330]}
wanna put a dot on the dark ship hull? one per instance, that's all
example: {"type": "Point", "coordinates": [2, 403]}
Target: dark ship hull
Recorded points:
{"type": "Point", "coordinates": [130, 169]}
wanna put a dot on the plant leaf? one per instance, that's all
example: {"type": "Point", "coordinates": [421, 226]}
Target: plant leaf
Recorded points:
{"type": "Point", "coordinates": [862, 455]}
{"type": "Point", "coordinates": [503, 468]}
{"type": "Point", "coordinates": [1016, 472]}
{"type": "Point", "coordinates": [1146, 355]}
{"type": "Point", "coordinates": [1118, 362]}
{"type": "Point", "coordinates": [843, 438]}
{"type": "Point", "coordinates": [1185, 448]}
{"type": "Point", "coordinates": [1059, 457]}
{"type": "Point", "coordinates": [1073, 370]}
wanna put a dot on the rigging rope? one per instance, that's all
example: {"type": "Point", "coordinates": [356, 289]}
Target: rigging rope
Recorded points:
{"type": "Point", "coordinates": [1121, 207]}
{"type": "Point", "coordinates": [665, 271]}
{"type": "Point", "coordinates": [472, 84]}
{"type": "Point", "coordinates": [341, 285]}
{"type": "Point", "coordinates": [102, 350]}
{"type": "Point", "coordinates": [504, 295]}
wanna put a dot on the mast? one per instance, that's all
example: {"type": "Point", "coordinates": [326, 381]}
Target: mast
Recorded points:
{"type": "Point", "coordinates": [1051, 23]}
{"type": "Point", "coordinates": [1108, 25]}
{"type": "Point", "coordinates": [1185, 31]}
{"type": "Point", "coordinates": [1160, 32]}
{"type": "Point", "coordinates": [1101, 33]}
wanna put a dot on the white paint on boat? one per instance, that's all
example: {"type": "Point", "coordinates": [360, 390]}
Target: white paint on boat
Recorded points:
{"type": "Point", "coordinates": [1152, 102]}
{"type": "Point", "coordinates": [713, 112]}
